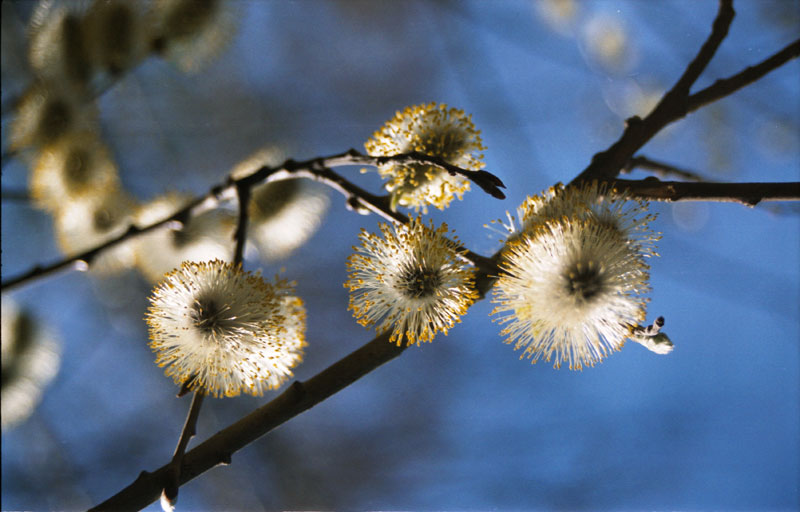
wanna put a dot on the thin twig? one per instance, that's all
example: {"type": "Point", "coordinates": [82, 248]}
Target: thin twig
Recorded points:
{"type": "Point", "coordinates": [172, 478]}
{"type": "Point", "coordinates": [21, 196]}
{"type": "Point", "coordinates": [749, 194]}
{"type": "Point", "coordinates": [356, 196]}
{"type": "Point", "coordinates": [660, 168]}
{"type": "Point", "coordinates": [490, 183]}
{"type": "Point", "coordinates": [315, 168]}
{"type": "Point", "coordinates": [240, 236]}
{"type": "Point", "coordinates": [220, 447]}
{"type": "Point", "coordinates": [169, 494]}
{"type": "Point", "coordinates": [719, 30]}
{"type": "Point", "coordinates": [727, 86]}
{"type": "Point", "coordinates": [84, 259]}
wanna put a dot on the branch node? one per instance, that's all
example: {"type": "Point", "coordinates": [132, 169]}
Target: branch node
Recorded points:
{"type": "Point", "coordinates": [353, 203]}
{"type": "Point", "coordinates": [632, 122]}
{"type": "Point", "coordinates": [290, 165]}
{"type": "Point", "coordinates": [298, 390]}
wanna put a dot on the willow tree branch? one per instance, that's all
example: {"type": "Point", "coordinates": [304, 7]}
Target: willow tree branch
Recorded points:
{"type": "Point", "coordinates": [315, 168]}
{"type": "Point", "coordinates": [240, 235]}
{"type": "Point", "coordinates": [673, 106]}
{"type": "Point", "coordinates": [660, 168]}
{"type": "Point", "coordinates": [220, 447]}
{"type": "Point", "coordinates": [172, 478]}
{"type": "Point", "coordinates": [301, 396]}
{"type": "Point", "coordinates": [358, 198]}
{"type": "Point", "coordinates": [727, 86]}
{"type": "Point", "coordinates": [21, 196]}
{"type": "Point", "coordinates": [749, 194]}
{"type": "Point", "coordinates": [84, 259]}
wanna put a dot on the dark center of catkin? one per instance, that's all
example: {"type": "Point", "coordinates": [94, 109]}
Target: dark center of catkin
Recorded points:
{"type": "Point", "coordinates": [420, 282]}
{"type": "Point", "coordinates": [103, 220]}
{"type": "Point", "coordinates": [208, 316]}
{"type": "Point", "coordinates": [585, 280]}
{"type": "Point", "coordinates": [270, 199]}
{"type": "Point", "coordinates": [76, 167]}
{"type": "Point", "coordinates": [75, 54]}
{"type": "Point", "coordinates": [56, 119]}
{"type": "Point", "coordinates": [118, 37]}
{"type": "Point", "coordinates": [187, 17]}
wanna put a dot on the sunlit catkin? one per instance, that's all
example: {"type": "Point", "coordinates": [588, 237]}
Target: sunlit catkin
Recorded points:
{"type": "Point", "coordinates": [435, 130]}
{"type": "Point", "coordinates": [224, 331]}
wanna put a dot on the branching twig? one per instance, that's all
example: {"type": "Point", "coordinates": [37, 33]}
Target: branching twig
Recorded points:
{"type": "Point", "coordinates": [220, 447]}
{"type": "Point", "coordinates": [240, 236]}
{"type": "Point", "coordinates": [490, 183]}
{"type": "Point", "coordinates": [749, 194]}
{"type": "Point", "coordinates": [660, 168]}
{"type": "Point", "coordinates": [301, 396]}
{"type": "Point", "coordinates": [727, 86]}
{"type": "Point", "coordinates": [172, 482]}
{"type": "Point", "coordinates": [316, 168]}
{"type": "Point", "coordinates": [84, 259]}
{"type": "Point", "coordinates": [673, 106]}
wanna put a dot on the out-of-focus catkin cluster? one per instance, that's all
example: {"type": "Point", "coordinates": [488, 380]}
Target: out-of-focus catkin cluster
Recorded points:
{"type": "Point", "coordinates": [76, 51]}
{"type": "Point", "coordinates": [574, 274]}
{"type": "Point", "coordinates": [31, 356]}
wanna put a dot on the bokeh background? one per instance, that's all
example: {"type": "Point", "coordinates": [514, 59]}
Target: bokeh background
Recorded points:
{"type": "Point", "coordinates": [461, 423]}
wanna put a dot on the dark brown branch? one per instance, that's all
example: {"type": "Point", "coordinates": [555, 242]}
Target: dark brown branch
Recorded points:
{"type": "Point", "coordinates": [175, 467]}
{"type": "Point", "coordinates": [21, 196]}
{"type": "Point", "coordinates": [84, 259]}
{"type": "Point", "coordinates": [673, 106]}
{"type": "Point", "coordinates": [749, 194]}
{"type": "Point", "coordinates": [660, 168]}
{"type": "Point", "coordinates": [358, 197]}
{"type": "Point", "coordinates": [727, 86]}
{"type": "Point", "coordinates": [219, 448]}
{"type": "Point", "coordinates": [301, 396]}
{"type": "Point", "coordinates": [240, 236]}
{"type": "Point", "coordinates": [488, 182]}
{"type": "Point", "coordinates": [315, 168]}
{"type": "Point", "coordinates": [719, 30]}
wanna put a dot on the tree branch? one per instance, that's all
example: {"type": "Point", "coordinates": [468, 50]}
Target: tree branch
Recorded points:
{"type": "Point", "coordinates": [727, 86]}
{"type": "Point", "coordinates": [316, 168]}
{"type": "Point", "coordinates": [175, 467]}
{"type": "Point", "coordinates": [220, 447]}
{"type": "Point", "coordinates": [16, 195]}
{"type": "Point", "coordinates": [240, 236]}
{"type": "Point", "coordinates": [301, 396]}
{"type": "Point", "coordinates": [719, 30]}
{"type": "Point", "coordinates": [660, 168]}
{"type": "Point", "coordinates": [749, 194]}
{"type": "Point", "coordinates": [84, 259]}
